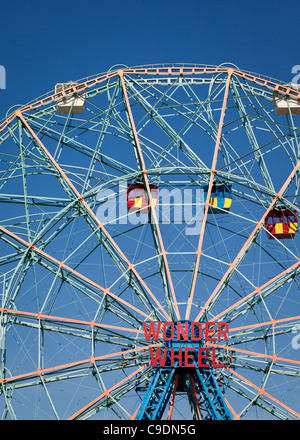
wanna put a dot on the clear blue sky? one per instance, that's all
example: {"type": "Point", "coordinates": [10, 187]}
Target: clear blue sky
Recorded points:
{"type": "Point", "coordinates": [44, 42]}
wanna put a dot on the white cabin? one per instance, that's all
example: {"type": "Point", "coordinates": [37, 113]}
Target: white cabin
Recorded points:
{"type": "Point", "coordinates": [73, 104]}
{"type": "Point", "coordinates": [284, 105]}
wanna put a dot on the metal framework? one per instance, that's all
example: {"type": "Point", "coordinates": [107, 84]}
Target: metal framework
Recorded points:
{"type": "Point", "coordinates": [80, 274]}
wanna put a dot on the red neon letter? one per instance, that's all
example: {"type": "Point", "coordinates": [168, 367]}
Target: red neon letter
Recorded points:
{"type": "Point", "coordinates": [214, 363]}
{"type": "Point", "coordinates": [184, 333]}
{"type": "Point", "coordinates": [223, 332]}
{"type": "Point", "coordinates": [201, 356]}
{"type": "Point", "coordinates": [193, 336]}
{"type": "Point", "coordinates": [152, 333]}
{"type": "Point", "coordinates": [188, 356]}
{"type": "Point", "coordinates": [168, 338]}
{"type": "Point", "coordinates": [161, 361]}
{"type": "Point", "coordinates": [178, 356]}
{"type": "Point", "coordinates": [208, 331]}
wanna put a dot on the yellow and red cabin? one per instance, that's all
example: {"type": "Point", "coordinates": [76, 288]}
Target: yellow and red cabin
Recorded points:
{"type": "Point", "coordinates": [281, 223]}
{"type": "Point", "coordinates": [137, 198]}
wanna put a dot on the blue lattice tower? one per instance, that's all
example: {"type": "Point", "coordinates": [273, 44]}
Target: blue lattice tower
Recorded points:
{"type": "Point", "coordinates": [182, 369]}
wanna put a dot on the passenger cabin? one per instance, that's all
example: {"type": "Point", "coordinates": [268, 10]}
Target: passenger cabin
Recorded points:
{"type": "Point", "coordinates": [281, 223]}
{"type": "Point", "coordinates": [73, 104]}
{"type": "Point", "coordinates": [284, 105]}
{"type": "Point", "coordinates": [220, 198]}
{"type": "Point", "coordinates": [137, 198]}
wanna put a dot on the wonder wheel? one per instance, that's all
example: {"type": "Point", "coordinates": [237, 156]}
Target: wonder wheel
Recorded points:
{"type": "Point", "coordinates": [151, 199]}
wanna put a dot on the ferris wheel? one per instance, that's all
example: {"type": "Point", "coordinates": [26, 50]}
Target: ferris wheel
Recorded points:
{"type": "Point", "coordinates": [150, 248]}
